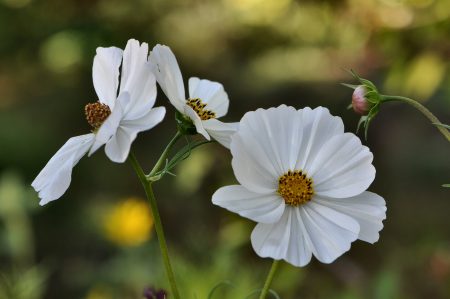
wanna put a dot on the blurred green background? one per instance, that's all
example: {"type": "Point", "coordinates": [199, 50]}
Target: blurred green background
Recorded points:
{"type": "Point", "coordinates": [96, 242]}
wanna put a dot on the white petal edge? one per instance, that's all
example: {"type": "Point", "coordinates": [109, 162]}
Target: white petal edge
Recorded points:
{"type": "Point", "coordinates": [137, 79]}
{"type": "Point", "coordinates": [265, 208]}
{"type": "Point", "coordinates": [368, 208]}
{"type": "Point", "coordinates": [198, 123]}
{"type": "Point", "coordinates": [330, 232]}
{"type": "Point", "coordinates": [285, 239]}
{"type": "Point", "coordinates": [54, 179]}
{"type": "Point", "coordinates": [210, 93]}
{"type": "Point", "coordinates": [105, 74]}
{"type": "Point", "coordinates": [118, 147]}
{"type": "Point", "coordinates": [342, 168]}
{"type": "Point", "coordinates": [318, 127]}
{"type": "Point", "coordinates": [304, 230]}
{"type": "Point", "coordinates": [220, 131]}
{"type": "Point", "coordinates": [165, 67]}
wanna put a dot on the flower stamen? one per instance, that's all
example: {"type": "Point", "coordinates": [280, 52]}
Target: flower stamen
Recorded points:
{"type": "Point", "coordinates": [96, 114]}
{"type": "Point", "coordinates": [295, 188]}
{"type": "Point", "coordinates": [199, 108]}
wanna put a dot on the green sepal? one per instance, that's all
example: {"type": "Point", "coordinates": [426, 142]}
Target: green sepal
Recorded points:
{"type": "Point", "coordinates": [362, 120]}
{"type": "Point", "coordinates": [372, 96]}
{"type": "Point", "coordinates": [185, 124]}
{"type": "Point", "coordinates": [365, 120]}
{"type": "Point", "coordinates": [352, 86]}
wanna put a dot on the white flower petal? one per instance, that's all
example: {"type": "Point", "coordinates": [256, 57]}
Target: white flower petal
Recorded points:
{"type": "Point", "coordinates": [137, 79]}
{"type": "Point", "coordinates": [342, 167]}
{"type": "Point", "coordinates": [251, 167]}
{"type": "Point", "coordinates": [318, 127]}
{"type": "Point", "coordinates": [330, 232]}
{"type": "Point", "coordinates": [210, 93]}
{"type": "Point", "coordinates": [266, 146]}
{"type": "Point", "coordinates": [109, 127]}
{"type": "Point", "coordinates": [147, 121]}
{"type": "Point", "coordinates": [265, 208]}
{"type": "Point", "coordinates": [368, 208]}
{"type": "Point", "coordinates": [220, 131]}
{"type": "Point", "coordinates": [196, 120]}
{"type": "Point", "coordinates": [105, 74]}
{"type": "Point", "coordinates": [286, 239]}
{"type": "Point", "coordinates": [167, 72]}
{"type": "Point", "coordinates": [118, 146]}
{"type": "Point", "coordinates": [55, 177]}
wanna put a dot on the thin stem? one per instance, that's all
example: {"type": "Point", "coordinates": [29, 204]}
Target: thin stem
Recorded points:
{"type": "Point", "coordinates": [164, 154]}
{"type": "Point", "coordinates": [158, 224]}
{"type": "Point", "coordinates": [434, 120]}
{"type": "Point", "coordinates": [269, 279]}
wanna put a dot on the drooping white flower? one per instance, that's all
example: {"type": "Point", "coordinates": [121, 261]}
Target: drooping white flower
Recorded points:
{"type": "Point", "coordinates": [117, 118]}
{"type": "Point", "coordinates": [304, 181]}
{"type": "Point", "coordinates": [207, 100]}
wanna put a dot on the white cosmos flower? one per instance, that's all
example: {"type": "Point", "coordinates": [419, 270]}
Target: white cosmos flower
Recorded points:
{"type": "Point", "coordinates": [116, 119]}
{"type": "Point", "coordinates": [304, 181]}
{"type": "Point", "coordinates": [207, 100]}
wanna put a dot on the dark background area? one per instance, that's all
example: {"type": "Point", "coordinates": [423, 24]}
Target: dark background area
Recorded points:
{"type": "Point", "coordinates": [96, 241]}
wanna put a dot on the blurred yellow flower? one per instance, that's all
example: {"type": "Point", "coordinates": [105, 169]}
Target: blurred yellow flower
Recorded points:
{"type": "Point", "coordinates": [129, 223]}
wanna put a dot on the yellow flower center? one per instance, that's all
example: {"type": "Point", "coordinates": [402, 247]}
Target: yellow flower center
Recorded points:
{"type": "Point", "coordinates": [199, 108]}
{"type": "Point", "coordinates": [96, 114]}
{"type": "Point", "coordinates": [295, 188]}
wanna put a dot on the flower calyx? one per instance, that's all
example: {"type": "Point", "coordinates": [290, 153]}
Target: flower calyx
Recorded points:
{"type": "Point", "coordinates": [184, 124]}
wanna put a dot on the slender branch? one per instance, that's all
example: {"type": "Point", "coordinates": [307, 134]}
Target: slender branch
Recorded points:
{"type": "Point", "coordinates": [162, 159]}
{"type": "Point", "coordinates": [434, 120]}
{"type": "Point", "coordinates": [269, 279]}
{"type": "Point", "coordinates": [157, 220]}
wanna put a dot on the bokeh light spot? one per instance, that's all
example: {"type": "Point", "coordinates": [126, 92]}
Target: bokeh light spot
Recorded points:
{"type": "Point", "coordinates": [62, 51]}
{"type": "Point", "coordinates": [16, 3]}
{"type": "Point", "coordinates": [129, 222]}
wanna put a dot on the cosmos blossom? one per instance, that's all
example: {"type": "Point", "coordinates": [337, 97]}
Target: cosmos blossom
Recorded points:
{"type": "Point", "coordinates": [116, 119]}
{"type": "Point", "coordinates": [207, 100]}
{"type": "Point", "coordinates": [304, 181]}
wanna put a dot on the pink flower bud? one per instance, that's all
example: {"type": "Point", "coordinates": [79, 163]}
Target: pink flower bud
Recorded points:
{"type": "Point", "coordinates": [359, 102]}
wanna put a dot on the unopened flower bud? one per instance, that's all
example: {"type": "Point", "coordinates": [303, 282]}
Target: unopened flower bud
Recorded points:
{"type": "Point", "coordinates": [360, 103]}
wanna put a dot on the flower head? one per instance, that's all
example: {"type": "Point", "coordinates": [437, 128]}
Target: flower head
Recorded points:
{"type": "Point", "coordinates": [304, 181]}
{"type": "Point", "coordinates": [116, 119]}
{"type": "Point", "coordinates": [207, 100]}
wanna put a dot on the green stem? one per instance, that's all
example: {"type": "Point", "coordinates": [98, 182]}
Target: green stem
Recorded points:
{"type": "Point", "coordinates": [164, 154]}
{"type": "Point", "coordinates": [269, 279]}
{"type": "Point", "coordinates": [158, 224]}
{"type": "Point", "coordinates": [434, 120]}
